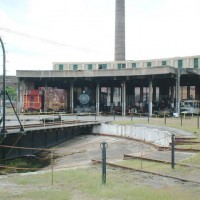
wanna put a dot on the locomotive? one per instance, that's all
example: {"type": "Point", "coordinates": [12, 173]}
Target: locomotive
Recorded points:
{"type": "Point", "coordinates": [85, 102]}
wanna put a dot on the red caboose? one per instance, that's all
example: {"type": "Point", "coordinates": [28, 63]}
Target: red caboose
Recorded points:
{"type": "Point", "coordinates": [33, 100]}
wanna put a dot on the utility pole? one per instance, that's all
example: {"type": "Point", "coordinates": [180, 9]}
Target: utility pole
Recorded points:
{"type": "Point", "coordinates": [3, 130]}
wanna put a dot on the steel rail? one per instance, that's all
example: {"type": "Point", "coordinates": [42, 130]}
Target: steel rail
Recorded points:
{"type": "Point", "coordinates": [144, 171]}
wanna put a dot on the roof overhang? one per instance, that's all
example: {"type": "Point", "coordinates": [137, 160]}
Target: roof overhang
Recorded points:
{"type": "Point", "coordinates": [96, 73]}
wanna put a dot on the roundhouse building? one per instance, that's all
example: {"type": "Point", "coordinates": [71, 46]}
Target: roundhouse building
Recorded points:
{"type": "Point", "coordinates": [123, 86]}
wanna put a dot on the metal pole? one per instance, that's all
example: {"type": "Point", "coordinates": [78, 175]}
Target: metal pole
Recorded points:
{"type": "Point", "coordinates": [198, 122]}
{"type": "Point", "coordinates": [178, 74]}
{"type": "Point", "coordinates": [103, 146]}
{"type": "Point", "coordinates": [3, 130]}
{"type": "Point", "coordinates": [173, 152]}
{"type": "Point", "coordinates": [150, 105]}
{"type": "Point", "coordinates": [52, 170]}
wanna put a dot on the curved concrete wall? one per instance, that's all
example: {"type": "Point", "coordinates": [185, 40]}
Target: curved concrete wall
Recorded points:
{"type": "Point", "coordinates": [152, 135]}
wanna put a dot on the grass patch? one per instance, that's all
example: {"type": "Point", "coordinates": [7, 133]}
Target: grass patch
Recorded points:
{"type": "Point", "coordinates": [194, 160]}
{"type": "Point", "coordinates": [189, 146]}
{"type": "Point", "coordinates": [42, 194]}
{"type": "Point", "coordinates": [146, 165]}
{"type": "Point", "coordinates": [86, 184]}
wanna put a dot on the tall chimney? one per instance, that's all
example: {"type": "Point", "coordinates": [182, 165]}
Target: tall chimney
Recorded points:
{"type": "Point", "coordinates": [120, 30]}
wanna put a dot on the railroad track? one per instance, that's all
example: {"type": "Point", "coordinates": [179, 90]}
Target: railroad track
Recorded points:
{"type": "Point", "coordinates": [145, 171]}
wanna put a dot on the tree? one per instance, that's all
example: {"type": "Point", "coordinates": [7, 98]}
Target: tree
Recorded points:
{"type": "Point", "coordinates": [11, 92]}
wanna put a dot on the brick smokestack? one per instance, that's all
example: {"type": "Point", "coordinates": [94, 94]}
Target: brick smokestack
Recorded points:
{"type": "Point", "coordinates": [120, 30]}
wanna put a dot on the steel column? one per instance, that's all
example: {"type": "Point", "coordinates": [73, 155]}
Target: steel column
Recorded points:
{"type": "Point", "coordinates": [97, 98]}
{"type": "Point", "coordinates": [178, 91]}
{"type": "Point", "coordinates": [72, 96]}
{"type": "Point", "coordinates": [150, 97]}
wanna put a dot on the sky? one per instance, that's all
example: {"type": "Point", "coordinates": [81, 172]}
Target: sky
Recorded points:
{"type": "Point", "coordinates": [37, 33]}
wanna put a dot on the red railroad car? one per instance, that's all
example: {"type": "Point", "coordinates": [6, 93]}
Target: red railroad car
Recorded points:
{"type": "Point", "coordinates": [33, 100]}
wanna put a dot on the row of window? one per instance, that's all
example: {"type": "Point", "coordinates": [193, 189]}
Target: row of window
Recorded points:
{"type": "Point", "coordinates": [134, 65]}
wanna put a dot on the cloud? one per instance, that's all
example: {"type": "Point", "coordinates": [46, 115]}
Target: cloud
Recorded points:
{"type": "Point", "coordinates": [166, 30]}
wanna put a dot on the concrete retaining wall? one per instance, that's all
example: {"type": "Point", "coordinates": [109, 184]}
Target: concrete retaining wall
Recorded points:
{"type": "Point", "coordinates": [148, 134]}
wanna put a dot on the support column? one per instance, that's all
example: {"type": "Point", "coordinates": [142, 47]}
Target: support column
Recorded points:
{"type": "Point", "coordinates": [154, 93]}
{"type": "Point", "coordinates": [141, 96]}
{"type": "Point", "coordinates": [188, 92]}
{"type": "Point", "coordinates": [45, 98]}
{"type": "Point", "coordinates": [97, 98]}
{"type": "Point", "coordinates": [150, 97]}
{"type": "Point", "coordinates": [124, 98]}
{"type": "Point", "coordinates": [112, 106]}
{"type": "Point", "coordinates": [172, 97]}
{"type": "Point", "coordinates": [178, 91]}
{"type": "Point", "coordinates": [111, 95]}
{"type": "Point", "coordinates": [20, 97]}
{"type": "Point", "coordinates": [72, 96]}
{"type": "Point", "coordinates": [197, 91]}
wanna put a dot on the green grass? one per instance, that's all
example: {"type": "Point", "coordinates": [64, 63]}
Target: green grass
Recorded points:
{"type": "Point", "coordinates": [86, 184]}
{"type": "Point", "coordinates": [189, 146]}
{"type": "Point", "coordinates": [144, 165]}
{"type": "Point", "coordinates": [49, 194]}
{"type": "Point", "coordinates": [194, 160]}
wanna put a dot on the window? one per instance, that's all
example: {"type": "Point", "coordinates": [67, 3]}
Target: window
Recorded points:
{"type": "Point", "coordinates": [75, 67]}
{"type": "Point", "coordinates": [164, 62]}
{"type": "Point", "coordinates": [148, 64]}
{"type": "Point", "coordinates": [102, 66]}
{"type": "Point", "coordinates": [124, 65]}
{"type": "Point", "coordinates": [60, 67]}
{"type": "Point", "coordinates": [180, 63]}
{"type": "Point", "coordinates": [120, 66]}
{"type": "Point", "coordinates": [89, 66]}
{"type": "Point", "coordinates": [133, 65]}
{"type": "Point", "coordinates": [196, 62]}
